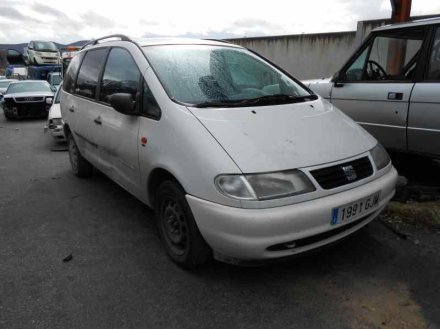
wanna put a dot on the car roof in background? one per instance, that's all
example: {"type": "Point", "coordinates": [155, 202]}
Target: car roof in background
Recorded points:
{"type": "Point", "coordinates": [184, 41]}
{"type": "Point", "coordinates": [420, 22]}
{"type": "Point", "coordinates": [28, 81]}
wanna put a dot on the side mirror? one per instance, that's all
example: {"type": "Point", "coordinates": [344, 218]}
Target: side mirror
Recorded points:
{"type": "Point", "coordinates": [53, 88]}
{"type": "Point", "coordinates": [337, 79]}
{"type": "Point", "coordinates": [123, 103]}
{"type": "Point", "coordinates": [49, 101]}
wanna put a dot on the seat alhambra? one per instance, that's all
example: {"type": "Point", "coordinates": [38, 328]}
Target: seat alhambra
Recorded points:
{"type": "Point", "coordinates": [239, 160]}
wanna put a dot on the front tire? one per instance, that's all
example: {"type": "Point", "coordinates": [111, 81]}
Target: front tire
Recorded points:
{"type": "Point", "coordinates": [80, 166]}
{"type": "Point", "coordinates": [177, 228]}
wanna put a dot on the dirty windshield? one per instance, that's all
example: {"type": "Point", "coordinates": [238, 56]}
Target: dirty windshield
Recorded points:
{"type": "Point", "coordinates": [212, 76]}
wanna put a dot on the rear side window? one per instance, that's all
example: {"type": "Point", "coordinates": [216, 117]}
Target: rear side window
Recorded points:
{"type": "Point", "coordinates": [88, 75]}
{"type": "Point", "coordinates": [70, 76]}
{"type": "Point", "coordinates": [121, 75]}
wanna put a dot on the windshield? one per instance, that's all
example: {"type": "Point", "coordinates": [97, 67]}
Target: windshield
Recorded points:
{"type": "Point", "coordinates": [56, 79]}
{"type": "Point", "coordinates": [45, 46]}
{"type": "Point", "coordinates": [23, 87]}
{"type": "Point", "coordinates": [4, 84]}
{"type": "Point", "coordinates": [58, 96]}
{"type": "Point", "coordinates": [200, 75]}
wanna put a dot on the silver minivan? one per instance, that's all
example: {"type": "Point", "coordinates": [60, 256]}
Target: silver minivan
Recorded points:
{"type": "Point", "coordinates": [391, 86]}
{"type": "Point", "coordinates": [239, 160]}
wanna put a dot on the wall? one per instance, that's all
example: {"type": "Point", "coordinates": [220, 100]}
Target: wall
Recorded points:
{"type": "Point", "coordinates": [306, 55]}
{"type": "Point", "coordinates": [309, 56]}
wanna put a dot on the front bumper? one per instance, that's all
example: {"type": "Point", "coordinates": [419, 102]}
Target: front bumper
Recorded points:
{"type": "Point", "coordinates": [57, 132]}
{"type": "Point", "coordinates": [42, 60]}
{"type": "Point", "coordinates": [27, 110]}
{"type": "Point", "coordinates": [245, 234]}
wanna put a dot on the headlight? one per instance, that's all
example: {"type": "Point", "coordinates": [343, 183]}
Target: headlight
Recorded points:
{"type": "Point", "coordinates": [264, 186]}
{"type": "Point", "coordinates": [380, 157]}
{"type": "Point", "coordinates": [57, 121]}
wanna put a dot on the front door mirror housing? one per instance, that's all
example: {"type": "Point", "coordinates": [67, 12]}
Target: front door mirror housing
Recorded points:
{"type": "Point", "coordinates": [123, 103]}
{"type": "Point", "coordinates": [338, 80]}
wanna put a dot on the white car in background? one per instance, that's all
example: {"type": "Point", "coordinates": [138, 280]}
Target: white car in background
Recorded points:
{"type": "Point", "coordinates": [391, 86]}
{"type": "Point", "coordinates": [54, 120]}
{"type": "Point", "coordinates": [43, 53]}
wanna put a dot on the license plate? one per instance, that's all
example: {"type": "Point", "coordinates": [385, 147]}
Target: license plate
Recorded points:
{"type": "Point", "coordinates": [355, 210]}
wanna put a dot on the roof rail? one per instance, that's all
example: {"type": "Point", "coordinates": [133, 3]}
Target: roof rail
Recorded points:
{"type": "Point", "coordinates": [95, 41]}
{"type": "Point", "coordinates": [219, 40]}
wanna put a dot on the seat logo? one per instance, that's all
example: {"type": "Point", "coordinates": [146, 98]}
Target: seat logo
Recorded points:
{"type": "Point", "coordinates": [349, 172]}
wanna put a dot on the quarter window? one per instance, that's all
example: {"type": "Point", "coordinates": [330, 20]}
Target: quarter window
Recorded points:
{"type": "Point", "coordinates": [149, 105]}
{"type": "Point", "coordinates": [121, 75]}
{"type": "Point", "coordinates": [434, 61]}
{"type": "Point", "coordinates": [88, 75]}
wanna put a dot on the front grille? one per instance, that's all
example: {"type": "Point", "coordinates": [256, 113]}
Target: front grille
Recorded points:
{"type": "Point", "coordinates": [343, 174]}
{"type": "Point", "coordinates": [26, 109]}
{"type": "Point", "coordinates": [29, 99]}
{"type": "Point", "coordinates": [31, 110]}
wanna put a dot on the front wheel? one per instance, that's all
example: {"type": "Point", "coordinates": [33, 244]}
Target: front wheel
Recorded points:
{"type": "Point", "coordinates": [80, 166]}
{"type": "Point", "coordinates": [177, 228]}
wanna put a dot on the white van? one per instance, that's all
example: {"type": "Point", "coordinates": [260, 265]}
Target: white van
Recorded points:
{"type": "Point", "coordinates": [239, 160]}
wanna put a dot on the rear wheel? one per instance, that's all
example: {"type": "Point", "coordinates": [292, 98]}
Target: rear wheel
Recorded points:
{"type": "Point", "coordinates": [177, 228]}
{"type": "Point", "coordinates": [80, 166]}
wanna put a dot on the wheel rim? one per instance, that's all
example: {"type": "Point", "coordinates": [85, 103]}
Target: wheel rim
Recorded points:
{"type": "Point", "coordinates": [174, 226]}
{"type": "Point", "coordinates": [73, 155]}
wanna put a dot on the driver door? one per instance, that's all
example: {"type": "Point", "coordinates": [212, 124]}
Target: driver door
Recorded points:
{"type": "Point", "coordinates": [375, 87]}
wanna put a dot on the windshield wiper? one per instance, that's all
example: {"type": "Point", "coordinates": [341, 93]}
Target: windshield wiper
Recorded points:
{"type": "Point", "coordinates": [223, 103]}
{"type": "Point", "coordinates": [263, 100]}
{"type": "Point", "coordinates": [279, 99]}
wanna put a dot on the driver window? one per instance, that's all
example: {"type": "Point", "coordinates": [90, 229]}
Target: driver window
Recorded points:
{"type": "Point", "coordinates": [121, 75]}
{"type": "Point", "coordinates": [391, 56]}
{"type": "Point", "coordinates": [434, 61]}
{"type": "Point", "coordinates": [394, 56]}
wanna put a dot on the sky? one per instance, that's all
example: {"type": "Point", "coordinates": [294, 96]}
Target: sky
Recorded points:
{"type": "Point", "coordinates": [66, 21]}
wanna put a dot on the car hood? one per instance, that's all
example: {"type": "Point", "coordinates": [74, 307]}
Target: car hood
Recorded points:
{"type": "Point", "coordinates": [280, 137]}
{"type": "Point", "coordinates": [315, 81]}
{"type": "Point", "coordinates": [30, 94]}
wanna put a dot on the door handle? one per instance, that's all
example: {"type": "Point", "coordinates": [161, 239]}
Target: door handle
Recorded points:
{"type": "Point", "coordinates": [72, 109]}
{"type": "Point", "coordinates": [395, 96]}
{"type": "Point", "coordinates": [98, 121]}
